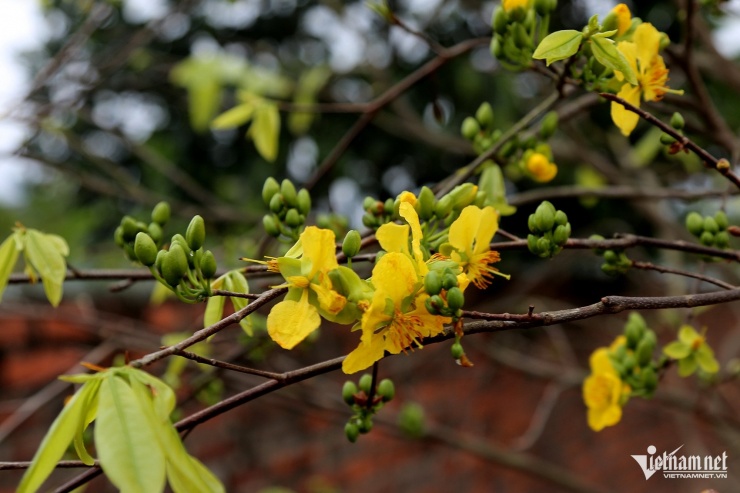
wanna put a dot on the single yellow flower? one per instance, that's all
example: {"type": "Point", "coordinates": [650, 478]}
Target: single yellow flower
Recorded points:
{"type": "Point", "coordinates": [309, 286]}
{"type": "Point", "coordinates": [396, 318]}
{"type": "Point", "coordinates": [650, 70]}
{"type": "Point", "coordinates": [540, 168]}
{"type": "Point", "coordinates": [468, 244]}
{"type": "Point", "coordinates": [603, 392]}
{"type": "Point", "coordinates": [624, 18]}
{"type": "Point", "coordinates": [510, 5]}
{"type": "Point", "coordinates": [395, 237]}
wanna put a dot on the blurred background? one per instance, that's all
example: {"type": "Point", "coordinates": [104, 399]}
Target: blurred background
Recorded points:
{"type": "Point", "coordinates": [106, 110]}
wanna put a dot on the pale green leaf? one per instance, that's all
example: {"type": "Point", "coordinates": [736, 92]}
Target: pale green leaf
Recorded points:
{"type": "Point", "coordinates": [238, 284]}
{"type": "Point", "coordinates": [90, 415]}
{"type": "Point", "coordinates": [705, 357]}
{"type": "Point", "coordinates": [185, 473]}
{"type": "Point", "coordinates": [677, 350]}
{"type": "Point", "coordinates": [59, 243]}
{"type": "Point", "coordinates": [235, 117]}
{"type": "Point", "coordinates": [58, 438]}
{"type": "Point", "coordinates": [48, 261]}
{"type": "Point", "coordinates": [265, 130]}
{"type": "Point", "coordinates": [606, 52]}
{"type": "Point", "coordinates": [162, 396]}
{"type": "Point", "coordinates": [558, 46]}
{"type": "Point", "coordinates": [8, 258]}
{"type": "Point", "coordinates": [214, 310]}
{"type": "Point", "coordinates": [82, 377]}
{"type": "Point", "coordinates": [123, 439]}
{"type": "Point", "coordinates": [204, 100]}
{"type": "Point", "coordinates": [492, 183]}
{"type": "Point", "coordinates": [687, 334]}
{"type": "Point", "coordinates": [309, 84]}
{"type": "Point", "coordinates": [687, 366]}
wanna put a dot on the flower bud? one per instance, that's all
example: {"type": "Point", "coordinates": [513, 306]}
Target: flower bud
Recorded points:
{"type": "Point", "coordinates": [195, 235]}
{"type": "Point", "coordinates": [277, 203]}
{"type": "Point", "coordinates": [499, 20]}
{"type": "Point", "coordinates": [161, 213]}
{"type": "Point", "coordinates": [270, 225]}
{"type": "Point", "coordinates": [208, 265]}
{"type": "Point", "coordinates": [269, 189]}
{"type": "Point", "coordinates": [497, 48]}
{"type": "Point", "coordinates": [560, 235]}
{"type": "Point", "coordinates": [174, 265]}
{"type": "Point", "coordinates": [628, 362]}
{"type": "Point", "coordinates": [386, 389]}
{"type": "Point", "coordinates": [666, 139]}
{"type": "Point", "coordinates": [455, 298]}
{"type": "Point", "coordinates": [287, 190]}
{"type": "Point", "coordinates": [532, 223]}
{"type": "Point", "coordinates": [304, 201]}
{"type": "Point", "coordinates": [695, 223]}
{"type": "Point", "coordinates": [644, 352]}
{"type": "Point", "coordinates": [707, 238]}
{"type": "Point", "coordinates": [443, 207]}
{"type": "Point", "coordinates": [549, 125]}
{"type": "Point", "coordinates": [348, 392]}
{"type": "Point", "coordinates": [544, 246]}
{"type": "Point", "coordinates": [649, 379]}
{"type": "Point", "coordinates": [633, 332]}
{"type": "Point", "coordinates": [366, 424]}
{"type": "Point", "coordinates": [463, 195]}
{"type": "Point", "coordinates": [484, 114]}
{"type": "Point", "coordinates": [369, 204]}
{"type": "Point", "coordinates": [677, 121]}
{"type": "Point", "coordinates": [469, 128]}
{"type": "Point", "coordinates": [118, 236]}
{"type": "Point", "coordinates": [128, 249]}
{"type": "Point", "coordinates": [432, 282]}
{"type": "Point", "coordinates": [155, 231]}
{"type": "Point", "coordinates": [352, 243]}
{"type": "Point", "coordinates": [561, 218]}
{"type": "Point", "coordinates": [543, 7]}
{"type": "Point", "coordinates": [429, 305]}
{"type": "Point", "coordinates": [610, 22]}
{"type": "Point", "coordinates": [721, 219]}
{"type": "Point", "coordinates": [411, 420]}
{"type": "Point", "coordinates": [389, 206]}
{"type": "Point", "coordinates": [522, 37]}
{"type": "Point", "coordinates": [158, 261]}
{"type": "Point", "coordinates": [145, 249]}
{"type": "Point", "coordinates": [710, 225]}
{"type": "Point", "coordinates": [544, 217]}
{"type": "Point", "coordinates": [292, 218]}
{"type": "Point", "coordinates": [425, 203]}
{"type": "Point", "coordinates": [130, 228]}
{"type": "Point", "coordinates": [365, 383]}
{"type": "Point", "coordinates": [369, 221]}
{"type": "Point", "coordinates": [722, 239]}
{"type": "Point", "coordinates": [457, 350]}
{"type": "Point", "coordinates": [449, 280]}
{"type": "Point", "coordinates": [351, 431]}
{"type": "Point", "coordinates": [532, 243]}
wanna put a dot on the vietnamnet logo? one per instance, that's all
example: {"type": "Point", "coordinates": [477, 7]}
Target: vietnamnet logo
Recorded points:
{"type": "Point", "coordinates": [683, 466]}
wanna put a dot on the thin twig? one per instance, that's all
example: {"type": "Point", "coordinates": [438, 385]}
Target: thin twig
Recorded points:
{"type": "Point", "coordinates": [669, 270]}
{"type": "Point", "coordinates": [227, 366]}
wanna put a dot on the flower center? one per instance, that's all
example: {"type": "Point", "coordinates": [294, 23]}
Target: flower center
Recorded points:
{"type": "Point", "coordinates": [599, 391]}
{"type": "Point", "coordinates": [479, 268]}
{"type": "Point", "coordinates": [405, 330]}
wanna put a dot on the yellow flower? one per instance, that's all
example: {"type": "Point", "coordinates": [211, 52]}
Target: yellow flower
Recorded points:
{"type": "Point", "coordinates": [624, 18]}
{"type": "Point", "coordinates": [309, 286]}
{"type": "Point", "coordinates": [395, 237]}
{"type": "Point", "coordinates": [540, 168]}
{"type": "Point", "coordinates": [603, 392]}
{"type": "Point", "coordinates": [396, 318]}
{"type": "Point", "coordinates": [650, 71]}
{"type": "Point", "coordinates": [468, 244]}
{"type": "Point", "coordinates": [510, 5]}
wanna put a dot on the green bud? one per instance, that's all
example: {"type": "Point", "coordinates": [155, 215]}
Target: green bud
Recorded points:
{"type": "Point", "coordinates": [437, 302]}
{"type": "Point", "coordinates": [351, 431]}
{"type": "Point", "coordinates": [707, 238]}
{"type": "Point", "coordinates": [388, 206]}
{"type": "Point", "coordinates": [366, 424]}
{"type": "Point", "coordinates": [484, 115]}
{"type": "Point", "coordinates": [443, 207]}
{"type": "Point", "coordinates": [172, 265]}
{"type": "Point", "coordinates": [677, 121]}
{"type": "Point", "coordinates": [611, 256]}
{"type": "Point", "coordinates": [386, 389]}
{"type": "Point", "coordinates": [155, 231]}
{"type": "Point", "coordinates": [348, 392]}
{"type": "Point", "coordinates": [293, 218]}
{"type": "Point", "coordinates": [411, 420]}
{"type": "Point", "coordinates": [633, 332]}
{"type": "Point", "coordinates": [629, 361]}
{"type": "Point", "coordinates": [544, 217]}
{"type": "Point", "coordinates": [649, 379]}
{"type": "Point", "coordinates": [161, 213]}
{"type": "Point", "coordinates": [610, 23]}
{"type": "Point", "coordinates": [128, 249]}
{"type": "Point", "coordinates": [130, 228]}
{"type": "Point", "coordinates": [532, 244]}
{"type": "Point", "coordinates": [269, 189]}
{"type": "Point", "coordinates": [549, 125]}
{"type": "Point", "coordinates": [158, 261]}
{"type": "Point", "coordinates": [455, 298]}
{"type": "Point", "coordinates": [287, 190]}
{"type": "Point", "coordinates": [270, 225]}
{"type": "Point", "coordinates": [304, 201]}
{"type": "Point", "coordinates": [499, 21]}
{"type": "Point", "coordinates": [480, 199]}
{"type": "Point", "coordinates": [710, 225]}
{"type": "Point", "coordinates": [721, 219]}
{"type": "Point", "coordinates": [425, 203]}
{"type": "Point", "coordinates": [722, 239]}
{"type": "Point", "coordinates": [542, 7]}
{"type": "Point", "coordinates": [457, 350]}
{"type": "Point", "coordinates": [644, 352]}
{"type": "Point", "coordinates": [517, 15]}
{"type": "Point", "coordinates": [522, 37]}
{"type": "Point", "coordinates": [560, 235]}
{"type": "Point", "coordinates": [369, 204]}
{"type": "Point", "coordinates": [369, 221]}
{"type": "Point", "coordinates": [277, 203]}
{"type": "Point", "coordinates": [561, 218]}
{"type": "Point", "coordinates": [145, 249]}
{"type": "Point", "coordinates": [352, 243]}
{"type": "Point", "coordinates": [118, 236]}
{"type": "Point", "coordinates": [365, 383]}
{"type": "Point", "coordinates": [432, 282]}
{"type": "Point", "coordinates": [470, 128]}
{"type": "Point", "coordinates": [179, 255]}
{"type": "Point", "coordinates": [544, 246]}
{"type": "Point", "coordinates": [666, 139]}
{"type": "Point", "coordinates": [208, 265]}
{"type": "Point", "coordinates": [532, 223]}
{"type": "Point", "coordinates": [449, 281]}
{"type": "Point", "coordinates": [497, 48]}
{"type": "Point", "coordinates": [429, 305]}
{"type": "Point", "coordinates": [462, 195]}
{"type": "Point", "coordinates": [695, 223]}
{"type": "Point", "coordinates": [195, 235]}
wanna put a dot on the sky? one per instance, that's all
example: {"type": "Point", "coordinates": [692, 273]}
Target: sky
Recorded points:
{"type": "Point", "coordinates": [22, 28]}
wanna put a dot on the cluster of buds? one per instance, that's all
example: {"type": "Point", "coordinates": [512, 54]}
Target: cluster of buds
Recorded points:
{"type": "Point", "coordinates": [616, 262]}
{"type": "Point", "coordinates": [479, 129]}
{"type": "Point", "coordinates": [185, 268]}
{"type": "Point", "coordinates": [710, 230]}
{"type": "Point", "coordinates": [288, 209]}
{"type": "Point", "coordinates": [378, 212]}
{"type": "Point", "coordinates": [550, 230]}
{"type": "Point", "coordinates": [445, 296]}
{"type": "Point", "coordinates": [632, 357]}
{"type": "Point", "coordinates": [515, 28]}
{"type": "Point", "coordinates": [365, 402]}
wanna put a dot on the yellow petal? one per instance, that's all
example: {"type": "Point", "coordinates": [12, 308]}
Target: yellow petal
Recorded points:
{"type": "Point", "coordinates": [624, 119]}
{"type": "Point", "coordinates": [598, 419]}
{"type": "Point", "coordinates": [329, 300]}
{"type": "Point", "coordinates": [393, 237]}
{"type": "Point", "coordinates": [487, 227]}
{"type": "Point", "coordinates": [629, 50]}
{"type": "Point", "coordinates": [394, 276]}
{"type": "Point", "coordinates": [320, 249]}
{"type": "Point", "coordinates": [407, 211]}
{"type": "Point", "coordinates": [364, 355]}
{"type": "Point", "coordinates": [624, 18]}
{"type": "Point", "coordinates": [463, 230]}
{"type": "Point", "coordinates": [289, 322]}
{"type": "Point", "coordinates": [600, 362]}
{"type": "Point", "coordinates": [647, 40]}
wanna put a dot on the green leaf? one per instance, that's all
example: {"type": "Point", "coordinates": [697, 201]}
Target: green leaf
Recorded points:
{"type": "Point", "coordinates": [687, 366]}
{"type": "Point", "coordinates": [237, 283]}
{"type": "Point", "coordinates": [235, 117]}
{"type": "Point", "coordinates": [492, 182]}
{"type": "Point", "coordinates": [687, 334]}
{"type": "Point", "coordinates": [677, 350]}
{"type": "Point", "coordinates": [185, 473]}
{"type": "Point", "coordinates": [214, 310]}
{"type": "Point", "coordinates": [705, 357]}
{"type": "Point", "coordinates": [8, 258]}
{"type": "Point", "coordinates": [204, 99]}
{"type": "Point", "coordinates": [123, 438]}
{"type": "Point", "coordinates": [265, 130]}
{"type": "Point", "coordinates": [58, 438]}
{"type": "Point", "coordinates": [606, 52]}
{"type": "Point", "coordinates": [59, 243]}
{"type": "Point", "coordinates": [162, 395]}
{"type": "Point", "coordinates": [90, 415]}
{"type": "Point", "coordinates": [558, 46]}
{"type": "Point", "coordinates": [309, 84]}
{"type": "Point", "coordinates": [48, 261]}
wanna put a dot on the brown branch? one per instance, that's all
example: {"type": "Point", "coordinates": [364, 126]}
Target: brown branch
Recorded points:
{"type": "Point", "coordinates": [228, 366]}
{"type": "Point", "coordinates": [669, 270]}
{"type": "Point", "coordinates": [62, 464]}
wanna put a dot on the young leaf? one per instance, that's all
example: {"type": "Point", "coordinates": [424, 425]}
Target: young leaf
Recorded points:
{"type": "Point", "coordinates": [162, 395]}
{"type": "Point", "coordinates": [90, 415]}
{"type": "Point", "coordinates": [558, 46]}
{"type": "Point", "coordinates": [235, 117]}
{"type": "Point", "coordinates": [214, 310]}
{"type": "Point", "coordinates": [58, 438]}
{"type": "Point", "coordinates": [45, 257]}
{"type": "Point", "coordinates": [185, 473]}
{"type": "Point", "coordinates": [123, 438]}
{"type": "Point", "coordinates": [606, 52]}
{"type": "Point", "coordinates": [204, 99]}
{"type": "Point", "coordinates": [8, 259]}
{"type": "Point", "coordinates": [265, 130]}
{"type": "Point", "coordinates": [238, 284]}
{"type": "Point", "coordinates": [492, 182]}
{"type": "Point", "coordinates": [309, 84]}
